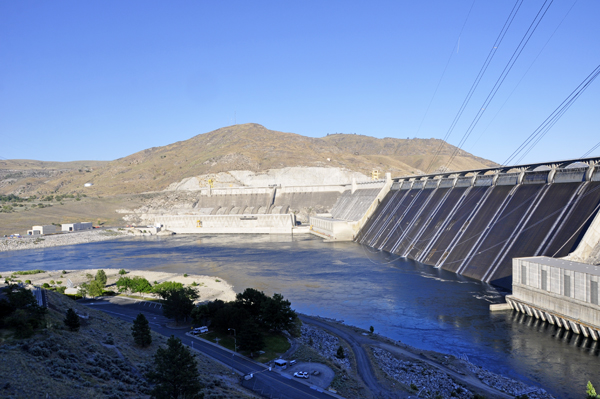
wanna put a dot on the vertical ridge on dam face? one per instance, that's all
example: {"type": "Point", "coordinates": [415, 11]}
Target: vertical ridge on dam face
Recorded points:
{"type": "Point", "coordinates": [474, 225]}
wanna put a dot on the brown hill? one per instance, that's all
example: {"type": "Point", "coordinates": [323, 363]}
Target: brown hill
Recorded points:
{"type": "Point", "coordinates": [246, 147]}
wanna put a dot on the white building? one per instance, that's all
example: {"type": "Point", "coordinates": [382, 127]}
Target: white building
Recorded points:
{"type": "Point", "coordinates": [40, 230]}
{"type": "Point", "coordinates": [559, 291]}
{"type": "Point", "coordinates": [77, 226]}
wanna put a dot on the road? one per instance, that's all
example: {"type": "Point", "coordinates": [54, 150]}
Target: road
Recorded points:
{"type": "Point", "coordinates": [358, 343]}
{"type": "Point", "coordinates": [270, 384]}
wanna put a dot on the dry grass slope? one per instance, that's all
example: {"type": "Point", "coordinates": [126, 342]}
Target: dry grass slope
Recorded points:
{"type": "Point", "coordinates": [244, 147]}
{"type": "Point", "coordinates": [99, 361]}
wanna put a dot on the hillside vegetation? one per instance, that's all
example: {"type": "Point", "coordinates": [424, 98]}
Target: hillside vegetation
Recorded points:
{"type": "Point", "coordinates": [240, 147]}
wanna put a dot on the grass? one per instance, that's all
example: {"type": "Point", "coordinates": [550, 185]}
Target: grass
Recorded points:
{"type": "Point", "coordinates": [23, 273]}
{"type": "Point", "coordinates": [275, 345]}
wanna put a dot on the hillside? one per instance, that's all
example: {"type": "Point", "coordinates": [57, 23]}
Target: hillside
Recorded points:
{"type": "Point", "coordinates": [249, 147]}
{"type": "Point", "coordinates": [99, 361]}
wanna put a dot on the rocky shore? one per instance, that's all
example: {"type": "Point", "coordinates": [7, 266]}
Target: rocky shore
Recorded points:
{"type": "Point", "coordinates": [420, 376]}
{"type": "Point", "coordinates": [55, 240]}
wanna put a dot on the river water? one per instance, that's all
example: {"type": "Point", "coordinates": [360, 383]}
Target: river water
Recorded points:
{"type": "Point", "coordinates": [417, 304]}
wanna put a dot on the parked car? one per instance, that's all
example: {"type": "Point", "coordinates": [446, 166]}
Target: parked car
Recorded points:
{"type": "Point", "coordinates": [301, 374]}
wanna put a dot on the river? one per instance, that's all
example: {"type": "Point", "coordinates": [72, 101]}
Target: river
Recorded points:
{"type": "Point", "coordinates": [417, 304]}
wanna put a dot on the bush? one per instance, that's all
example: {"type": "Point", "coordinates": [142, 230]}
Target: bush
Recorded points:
{"type": "Point", "coordinates": [185, 275]}
{"type": "Point", "coordinates": [27, 281]}
{"type": "Point", "coordinates": [23, 273]}
{"type": "Point", "coordinates": [72, 320]}
{"type": "Point", "coordinates": [122, 272]}
{"type": "Point", "coordinates": [46, 285]}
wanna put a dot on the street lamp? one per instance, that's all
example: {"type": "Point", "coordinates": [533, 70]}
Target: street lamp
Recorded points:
{"type": "Point", "coordinates": [234, 340]}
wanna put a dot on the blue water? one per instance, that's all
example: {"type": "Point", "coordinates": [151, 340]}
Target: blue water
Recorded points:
{"type": "Point", "coordinates": [417, 304]}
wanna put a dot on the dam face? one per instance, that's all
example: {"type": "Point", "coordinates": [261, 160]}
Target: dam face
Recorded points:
{"type": "Point", "coordinates": [476, 225]}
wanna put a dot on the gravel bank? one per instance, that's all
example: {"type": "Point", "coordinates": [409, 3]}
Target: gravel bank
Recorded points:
{"type": "Point", "coordinates": [432, 382]}
{"type": "Point", "coordinates": [55, 240]}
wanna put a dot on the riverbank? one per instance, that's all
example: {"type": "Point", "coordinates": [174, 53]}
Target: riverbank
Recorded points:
{"type": "Point", "coordinates": [399, 365]}
{"type": "Point", "coordinates": [208, 288]}
{"type": "Point", "coordinates": [55, 240]}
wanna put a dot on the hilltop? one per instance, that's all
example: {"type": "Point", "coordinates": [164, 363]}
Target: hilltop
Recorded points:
{"type": "Point", "coordinates": [247, 147]}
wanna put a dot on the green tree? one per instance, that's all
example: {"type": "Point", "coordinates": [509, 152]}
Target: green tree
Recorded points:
{"type": "Point", "coordinates": [252, 300]}
{"type": "Point", "coordinates": [101, 277]}
{"type": "Point", "coordinates": [178, 303]}
{"type": "Point", "coordinates": [166, 286]}
{"type": "Point", "coordinates": [95, 288]}
{"type": "Point", "coordinates": [72, 320]}
{"type": "Point", "coordinates": [141, 331]}
{"type": "Point", "coordinates": [175, 372]}
{"type": "Point", "coordinates": [83, 289]}
{"type": "Point", "coordinates": [250, 338]}
{"type": "Point", "coordinates": [591, 392]}
{"type": "Point", "coordinates": [371, 329]}
{"type": "Point", "coordinates": [277, 313]}
{"type": "Point", "coordinates": [20, 311]}
{"type": "Point", "coordinates": [340, 353]}
{"type": "Point", "coordinates": [122, 272]}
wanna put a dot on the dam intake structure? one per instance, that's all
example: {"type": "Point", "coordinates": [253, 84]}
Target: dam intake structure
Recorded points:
{"type": "Point", "coordinates": [475, 222]}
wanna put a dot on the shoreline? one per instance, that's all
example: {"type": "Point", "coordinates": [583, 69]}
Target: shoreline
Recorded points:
{"type": "Point", "coordinates": [60, 239]}
{"type": "Point", "coordinates": [211, 288]}
{"type": "Point", "coordinates": [208, 288]}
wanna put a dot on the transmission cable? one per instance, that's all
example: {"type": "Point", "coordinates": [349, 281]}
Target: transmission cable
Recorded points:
{"type": "Point", "coordinates": [511, 62]}
{"type": "Point", "coordinates": [541, 130]}
{"type": "Point", "coordinates": [591, 150]}
{"type": "Point", "coordinates": [445, 68]}
{"type": "Point", "coordinates": [482, 71]}
{"type": "Point", "coordinates": [525, 74]}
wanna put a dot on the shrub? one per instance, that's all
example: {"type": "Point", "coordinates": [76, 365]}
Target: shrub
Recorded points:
{"type": "Point", "coordinates": [185, 275]}
{"type": "Point", "coordinates": [46, 285]}
{"type": "Point", "coordinates": [72, 320]}
{"type": "Point", "coordinates": [122, 272]}
{"type": "Point", "coordinates": [340, 352]}
{"type": "Point", "coordinates": [52, 282]}
{"type": "Point", "coordinates": [27, 281]}
{"type": "Point", "coordinates": [59, 282]}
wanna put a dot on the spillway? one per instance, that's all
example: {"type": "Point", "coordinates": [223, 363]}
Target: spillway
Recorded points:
{"type": "Point", "coordinates": [475, 224]}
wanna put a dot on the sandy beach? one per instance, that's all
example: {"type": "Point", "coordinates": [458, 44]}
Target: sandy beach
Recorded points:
{"type": "Point", "coordinates": [208, 288]}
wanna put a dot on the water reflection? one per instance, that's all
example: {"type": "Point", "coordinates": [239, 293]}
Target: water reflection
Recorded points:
{"type": "Point", "coordinates": [422, 306]}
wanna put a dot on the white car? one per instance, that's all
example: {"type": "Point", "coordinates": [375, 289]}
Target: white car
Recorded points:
{"type": "Point", "coordinates": [301, 374]}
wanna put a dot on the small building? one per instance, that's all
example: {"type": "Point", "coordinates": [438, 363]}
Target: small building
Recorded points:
{"type": "Point", "coordinates": [41, 230]}
{"type": "Point", "coordinates": [280, 363]}
{"type": "Point", "coordinates": [77, 226]}
{"type": "Point", "coordinates": [558, 291]}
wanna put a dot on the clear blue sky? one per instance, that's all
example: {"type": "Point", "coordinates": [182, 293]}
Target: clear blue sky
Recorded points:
{"type": "Point", "coordinates": [103, 79]}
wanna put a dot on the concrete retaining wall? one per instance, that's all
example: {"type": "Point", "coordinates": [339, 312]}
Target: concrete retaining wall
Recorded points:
{"type": "Point", "coordinates": [227, 224]}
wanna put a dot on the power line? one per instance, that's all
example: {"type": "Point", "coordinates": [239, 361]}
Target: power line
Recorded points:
{"type": "Point", "coordinates": [446, 67]}
{"type": "Point", "coordinates": [478, 78]}
{"type": "Point", "coordinates": [511, 62]}
{"type": "Point", "coordinates": [591, 150]}
{"type": "Point", "coordinates": [534, 138]}
{"type": "Point", "coordinates": [525, 74]}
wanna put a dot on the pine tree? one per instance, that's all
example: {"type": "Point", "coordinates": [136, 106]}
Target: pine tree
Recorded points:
{"type": "Point", "coordinates": [175, 372]}
{"type": "Point", "coordinates": [72, 320]}
{"type": "Point", "coordinates": [141, 331]}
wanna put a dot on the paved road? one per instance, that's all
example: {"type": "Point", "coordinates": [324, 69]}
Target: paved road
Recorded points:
{"type": "Point", "coordinates": [270, 384]}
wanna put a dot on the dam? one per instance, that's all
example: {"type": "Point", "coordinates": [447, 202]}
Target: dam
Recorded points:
{"type": "Point", "coordinates": [474, 223]}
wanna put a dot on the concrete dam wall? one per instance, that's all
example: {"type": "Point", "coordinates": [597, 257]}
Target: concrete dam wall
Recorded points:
{"type": "Point", "coordinates": [475, 225]}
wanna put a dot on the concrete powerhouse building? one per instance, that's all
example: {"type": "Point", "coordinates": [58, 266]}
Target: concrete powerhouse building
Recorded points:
{"type": "Point", "coordinates": [559, 291]}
